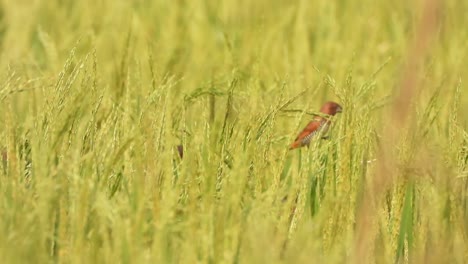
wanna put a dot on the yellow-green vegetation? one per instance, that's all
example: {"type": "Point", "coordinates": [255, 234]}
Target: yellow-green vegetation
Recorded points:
{"type": "Point", "coordinates": [95, 97]}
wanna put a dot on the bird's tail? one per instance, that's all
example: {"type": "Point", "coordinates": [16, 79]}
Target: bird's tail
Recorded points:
{"type": "Point", "coordinates": [296, 144]}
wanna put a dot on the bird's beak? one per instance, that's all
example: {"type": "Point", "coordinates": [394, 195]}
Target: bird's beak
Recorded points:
{"type": "Point", "coordinates": [339, 110]}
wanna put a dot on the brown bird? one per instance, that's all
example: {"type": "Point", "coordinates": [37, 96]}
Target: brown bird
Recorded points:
{"type": "Point", "coordinates": [317, 126]}
{"type": "Point", "coordinates": [180, 149]}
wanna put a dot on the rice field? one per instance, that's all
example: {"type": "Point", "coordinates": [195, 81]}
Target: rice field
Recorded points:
{"type": "Point", "coordinates": [159, 131]}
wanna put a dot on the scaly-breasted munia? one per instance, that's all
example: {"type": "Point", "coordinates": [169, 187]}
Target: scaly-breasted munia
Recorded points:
{"type": "Point", "coordinates": [319, 125]}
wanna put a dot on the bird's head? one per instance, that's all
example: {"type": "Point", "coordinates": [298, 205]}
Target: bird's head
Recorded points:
{"type": "Point", "coordinates": [331, 108]}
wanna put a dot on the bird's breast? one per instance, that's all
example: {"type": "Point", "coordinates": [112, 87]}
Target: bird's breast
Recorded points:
{"type": "Point", "coordinates": [322, 129]}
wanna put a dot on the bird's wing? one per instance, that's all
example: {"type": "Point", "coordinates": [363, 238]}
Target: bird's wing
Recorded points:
{"type": "Point", "coordinates": [307, 133]}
